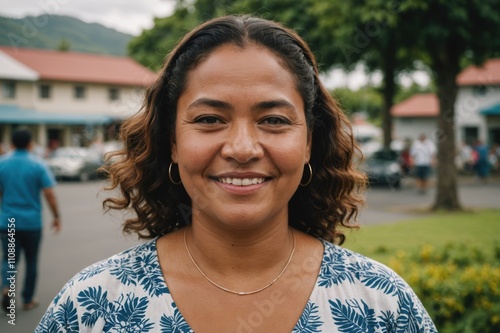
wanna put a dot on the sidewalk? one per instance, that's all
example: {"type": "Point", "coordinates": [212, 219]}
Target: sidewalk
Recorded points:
{"type": "Point", "coordinates": [389, 205]}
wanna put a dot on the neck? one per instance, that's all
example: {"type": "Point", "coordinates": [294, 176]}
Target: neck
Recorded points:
{"type": "Point", "coordinates": [239, 253]}
{"type": "Point", "coordinates": [245, 283]}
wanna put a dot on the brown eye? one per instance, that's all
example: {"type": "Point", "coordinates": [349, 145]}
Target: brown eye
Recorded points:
{"type": "Point", "coordinates": [276, 121]}
{"type": "Point", "coordinates": [209, 120]}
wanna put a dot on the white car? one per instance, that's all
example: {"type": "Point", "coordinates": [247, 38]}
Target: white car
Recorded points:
{"type": "Point", "coordinates": [74, 163]}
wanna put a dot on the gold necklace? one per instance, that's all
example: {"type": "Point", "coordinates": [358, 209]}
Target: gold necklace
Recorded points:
{"type": "Point", "coordinates": [241, 293]}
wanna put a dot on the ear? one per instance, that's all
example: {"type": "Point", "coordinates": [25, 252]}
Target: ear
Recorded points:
{"type": "Point", "coordinates": [308, 147]}
{"type": "Point", "coordinates": [173, 150]}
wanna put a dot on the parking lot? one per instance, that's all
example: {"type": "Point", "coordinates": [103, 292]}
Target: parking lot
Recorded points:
{"type": "Point", "coordinates": [88, 236]}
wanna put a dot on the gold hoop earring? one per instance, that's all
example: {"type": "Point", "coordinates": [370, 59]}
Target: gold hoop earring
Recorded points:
{"type": "Point", "coordinates": [310, 175]}
{"type": "Point", "coordinates": [170, 174]}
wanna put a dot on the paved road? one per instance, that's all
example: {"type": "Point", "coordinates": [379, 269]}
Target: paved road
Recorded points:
{"type": "Point", "coordinates": [89, 236]}
{"type": "Point", "coordinates": [385, 205]}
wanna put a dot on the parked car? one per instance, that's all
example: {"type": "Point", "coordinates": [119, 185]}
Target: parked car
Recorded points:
{"type": "Point", "coordinates": [384, 167]}
{"type": "Point", "coordinates": [74, 163]}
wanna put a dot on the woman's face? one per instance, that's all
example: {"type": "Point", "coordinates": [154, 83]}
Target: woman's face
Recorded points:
{"type": "Point", "coordinates": [241, 139]}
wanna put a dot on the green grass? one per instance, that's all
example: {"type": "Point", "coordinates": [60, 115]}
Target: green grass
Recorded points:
{"type": "Point", "coordinates": [381, 242]}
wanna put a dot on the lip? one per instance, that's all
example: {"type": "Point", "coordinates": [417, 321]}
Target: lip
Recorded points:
{"type": "Point", "coordinates": [248, 174]}
{"type": "Point", "coordinates": [241, 190]}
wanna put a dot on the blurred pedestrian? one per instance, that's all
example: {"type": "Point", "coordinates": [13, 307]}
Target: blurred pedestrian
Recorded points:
{"type": "Point", "coordinates": [482, 164]}
{"type": "Point", "coordinates": [466, 158]}
{"type": "Point", "coordinates": [494, 157]}
{"type": "Point", "coordinates": [422, 153]}
{"type": "Point", "coordinates": [23, 176]}
{"type": "Point", "coordinates": [405, 158]}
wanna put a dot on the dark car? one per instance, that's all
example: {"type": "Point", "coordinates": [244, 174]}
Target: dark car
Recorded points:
{"type": "Point", "coordinates": [383, 167]}
{"type": "Point", "coordinates": [74, 163]}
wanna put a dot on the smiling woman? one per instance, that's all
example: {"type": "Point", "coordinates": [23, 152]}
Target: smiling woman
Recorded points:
{"type": "Point", "coordinates": [241, 169]}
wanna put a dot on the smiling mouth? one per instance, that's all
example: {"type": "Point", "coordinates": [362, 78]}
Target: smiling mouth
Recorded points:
{"type": "Point", "coordinates": [241, 181]}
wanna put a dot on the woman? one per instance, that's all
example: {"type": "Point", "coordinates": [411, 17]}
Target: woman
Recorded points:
{"type": "Point", "coordinates": [240, 170]}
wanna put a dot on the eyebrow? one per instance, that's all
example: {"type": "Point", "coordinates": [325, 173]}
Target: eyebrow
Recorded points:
{"type": "Point", "coordinates": [278, 103]}
{"type": "Point", "coordinates": [210, 102]}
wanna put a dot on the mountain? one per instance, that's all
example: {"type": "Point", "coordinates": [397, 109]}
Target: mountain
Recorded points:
{"type": "Point", "coordinates": [54, 31]}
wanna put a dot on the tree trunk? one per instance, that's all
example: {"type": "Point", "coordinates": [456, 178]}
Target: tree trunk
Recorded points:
{"type": "Point", "coordinates": [388, 93]}
{"type": "Point", "coordinates": [446, 69]}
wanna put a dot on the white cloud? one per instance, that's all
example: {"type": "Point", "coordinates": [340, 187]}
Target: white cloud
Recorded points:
{"type": "Point", "coordinates": [129, 16]}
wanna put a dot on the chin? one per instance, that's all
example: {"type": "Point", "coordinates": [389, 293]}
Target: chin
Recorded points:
{"type": "Point", "coordinates": [249, 220]}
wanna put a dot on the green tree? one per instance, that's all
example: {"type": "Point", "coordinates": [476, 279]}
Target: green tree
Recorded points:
{"type": "Point", "coordinates": [64, 45]}
{"type": "Point", "coordinates": [365, 100]}
{"type": "Point", "coordinates": [404, 93]}
{"type": "Point", "coordinates": [451, 33]}
{"type": "Point", "coordinates": [368, 31]}
{"type": "Point", "coordinates": [152, 45]}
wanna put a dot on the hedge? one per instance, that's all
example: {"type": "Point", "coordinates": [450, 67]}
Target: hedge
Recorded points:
{"type": "Point", "coordinates": [459, 285]}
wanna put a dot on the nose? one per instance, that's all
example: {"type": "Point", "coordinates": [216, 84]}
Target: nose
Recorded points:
{"type": "Point", "coordinates": [242, 143]}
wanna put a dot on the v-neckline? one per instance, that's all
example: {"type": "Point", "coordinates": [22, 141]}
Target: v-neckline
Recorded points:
{"type": "Point", "coordinates": [183, 319]}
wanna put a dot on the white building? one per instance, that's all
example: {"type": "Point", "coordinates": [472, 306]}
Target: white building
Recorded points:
{"type": "Point", "coordinates": [477, 108]}
{"type": "Point", "coordinates": [67, 97]}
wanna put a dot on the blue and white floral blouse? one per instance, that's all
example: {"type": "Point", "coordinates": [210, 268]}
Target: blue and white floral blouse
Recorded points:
{"type": "Point", "coordinates": [127, 293]}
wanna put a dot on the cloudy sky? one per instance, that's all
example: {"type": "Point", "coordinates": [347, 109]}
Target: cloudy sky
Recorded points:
{"type": "Point", "coordinates": [129, 16]}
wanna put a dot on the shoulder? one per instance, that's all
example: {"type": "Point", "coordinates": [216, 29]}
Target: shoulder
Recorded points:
{"type": "Point", "coordinates": [430, 143]}
{"type": "Point", "coordinates": [341, 265]}
{"type": "Point", "coordinates": [5, 157]}
{"type": "Point", "coordinates": [37, 160]}
{"type": "Point", "coordinates": [134, 259]}
{"type": "Point", "coordinates": [127, 281]}
{"type": "Point", "coordinates": [351, 284]}
{"type": "Point", "coordinates": [357, 276]}
{"type": "Point", "coordinates": [131, 269]}
{"type": "Point", "coordinates": [346, 262]}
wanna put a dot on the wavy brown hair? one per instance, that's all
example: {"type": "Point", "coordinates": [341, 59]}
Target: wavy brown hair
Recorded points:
{"type": "Point", "coordinates": [330, 201]}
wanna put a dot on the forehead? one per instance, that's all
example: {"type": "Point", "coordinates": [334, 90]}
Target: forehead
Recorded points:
{"type": "Point", "coordinates": [244, 64]}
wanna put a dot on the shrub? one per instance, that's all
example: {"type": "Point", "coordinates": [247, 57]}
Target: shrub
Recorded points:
{"type": "Point", "coordinates": [459, 285]}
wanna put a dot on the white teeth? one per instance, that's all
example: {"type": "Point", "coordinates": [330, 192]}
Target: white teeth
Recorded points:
{"type": "Point", "coordinates": [242, 181]}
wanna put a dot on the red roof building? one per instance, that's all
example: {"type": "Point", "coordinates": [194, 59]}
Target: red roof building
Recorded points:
{"type": "Point", "coordinates": [420, 105]}
{"type": "Point", "coordinates": [487, 74]}
{"type": "Point", "coordinates": [477, 107]}
{"type": "Point", "coordinates": [71, 97]}
{"type": "Point", "coordinates": [82, 67]}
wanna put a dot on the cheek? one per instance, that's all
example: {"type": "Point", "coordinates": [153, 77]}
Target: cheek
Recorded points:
{"type": "Point", "coordinates": [193, 154]}
{"type": "Point", "coordinates": [289, 156]}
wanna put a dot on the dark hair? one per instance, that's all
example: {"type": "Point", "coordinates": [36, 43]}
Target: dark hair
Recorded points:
{"type": "Point", "coordinates": [21, 138]}
{"type": "Point", "coordinates": [331, 199]}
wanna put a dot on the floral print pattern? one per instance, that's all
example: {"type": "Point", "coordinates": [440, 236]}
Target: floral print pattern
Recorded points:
{"type": "Point", "coordinates": [127, 293]}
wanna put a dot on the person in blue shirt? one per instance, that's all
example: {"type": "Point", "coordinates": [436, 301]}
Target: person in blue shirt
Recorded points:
{"type": "Point", "coordinates": [481, 165]}
{"type": "Point", "coordinates": [23, 177]}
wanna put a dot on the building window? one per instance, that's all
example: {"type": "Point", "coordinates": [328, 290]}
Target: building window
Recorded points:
{"type": "Point", "coordinates": [114, 94]}
{"type": "Point", "coordinates": [45, 91]}
{"type": "Point", "coordinates": [407, 121]}
{"type": "Point", "coordinates": [470, 134]}
{"type": "Point", "coordinates": [79, 92]}
{"type": "Point", "coordinates": [479, 91]}
{"type": "Point", "coordinates": [9, 89]}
